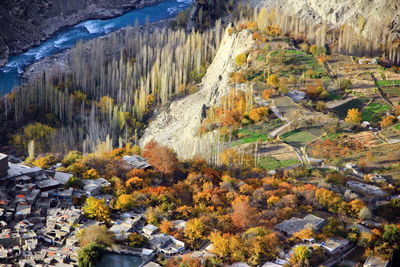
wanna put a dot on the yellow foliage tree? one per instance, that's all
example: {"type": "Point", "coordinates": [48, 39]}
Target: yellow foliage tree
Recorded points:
{"type": "Point", "coordinates": [106, 104]}
{"type": "Point", "coordinates": [241, 59]}
{"type": "Point", "coordinates": [91, 174]}
{"type": "Point", "coordinates": [96, 209]}
{"type": "Point", "coordinates": [353, 116]}
{"type": "Point", "coordinates": [195, 229]}
{"type": "Point", "coordinates": [304, 233]}
{"type": "Point", "coordinates": [124, 202]}
{"type": "Point", "coordinates": [273, 80]}
{"type": "Point", "coordinates": [257, 114]}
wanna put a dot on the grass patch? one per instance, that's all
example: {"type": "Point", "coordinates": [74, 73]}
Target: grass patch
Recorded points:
{"type": "Point", "coordinates": [387, 83]}
{"type": "Point", "coordinates": [397, 127]}
{"type": "Point", "coordinates": [271, 163]}
{"type": "Point", "coordinates": [298, 137]}
{"type": "Point", "coordinates": [374, 111]}
{"type": "Point", "coordinates": [332, 97]}
{"type": "Point", "coordinates": [260, 58]}
{"type": "Point", "coordinates": [254, 133]}
{"type": "Point", "coordinates": [341, 110]}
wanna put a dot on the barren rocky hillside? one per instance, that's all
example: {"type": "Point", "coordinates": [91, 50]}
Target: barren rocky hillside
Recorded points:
{"type": "Point", "coordinates": [30, 21]}
{"type": "Point", "coordinates": [366, 16]}
{"type": "Point", "coordinates": [178, 125]}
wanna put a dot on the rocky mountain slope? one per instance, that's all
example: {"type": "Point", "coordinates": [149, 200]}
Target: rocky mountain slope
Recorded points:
{"type": "Point", "coordinates": [366, 16]}
{"type": "Point", "coordinates": [25, 23]}
{"type": "Point", "coordinates": [178, 125]}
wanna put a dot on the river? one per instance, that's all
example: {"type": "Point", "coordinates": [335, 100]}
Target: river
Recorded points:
{"type": "Point", "coordinates": [11, 73]}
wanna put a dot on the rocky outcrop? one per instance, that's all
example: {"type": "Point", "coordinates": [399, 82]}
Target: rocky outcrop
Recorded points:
{"type": "Point", "coordinates": [177, 126]}
{"type": "Point", "coordinates": [25, 23]}
{"type": "Point", "coordinates": [366, 16]}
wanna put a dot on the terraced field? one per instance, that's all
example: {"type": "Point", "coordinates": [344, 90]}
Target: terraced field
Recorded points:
{"type": "Point", "coordinates": [254, 133]}
{"type": "Point", "coordinates": [341, 110]}
{"type": "Point", "coordinates": [301, 137]}
{"type": "Point", "coordinates": [271, 163]}
{"type": "Point", "coordinates": [374, 111]}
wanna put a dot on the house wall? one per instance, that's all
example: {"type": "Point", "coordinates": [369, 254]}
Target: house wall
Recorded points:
{"type": "Point", "coordinates": [3, 165]}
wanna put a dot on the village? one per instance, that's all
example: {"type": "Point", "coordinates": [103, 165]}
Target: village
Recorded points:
{"type": "Point", "coordinates": [40, 223]}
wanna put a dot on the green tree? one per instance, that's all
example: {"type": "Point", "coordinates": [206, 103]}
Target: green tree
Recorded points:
{"type": "Point", "coordinates": [74, 182]}
{"type": "Point", "coordinates": [90, 255]}
{"type": "Point", "coordinates": [391, 234]}
{"type": "Point", "coordinates": [135, 240]}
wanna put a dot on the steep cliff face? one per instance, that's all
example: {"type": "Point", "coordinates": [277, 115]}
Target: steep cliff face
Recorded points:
{"type": "Point", "coordinates": [25, 23]}
{"type": "Point", "coordinates": [177, 126]}
{"type": "Point", "coordinates": [365, 16]}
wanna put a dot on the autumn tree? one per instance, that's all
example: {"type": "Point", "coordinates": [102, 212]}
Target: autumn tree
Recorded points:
{"type": "Point", "coordinates": [241, 59]}
{"type": "Point", "coordinates": [161, 157]}
{"type": "Point", "coordinates": [96, 209]}
{"type": "Point", "coordinates": [273, 80]}
{"type": "Point", "coordinates": [96, 233]}
{"type": "Point", "coordinates": [266, 94]}
{"type": "Point", "coordinates": [258, 114]}
{"type": "Point", "coordinates": [244, 215]}
{"type": "Point", "coordinates": [353, 116]}
{"type": "Point", "coordinates": [301, 256]}
{"type": "Point", "coordinates": [388, 120]}
{"type": "Point", "coordinates": [196, 229]}
{"type": "Point", "coordinates": [166, 227]}
{"type": "Point", "coordinates": [124, 202]}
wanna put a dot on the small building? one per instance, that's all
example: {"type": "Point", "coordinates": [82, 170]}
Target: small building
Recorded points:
{"type": "Point", "coordinates": [22, 211]}
{"type": "Point", "coordinates": [166, 244]}
{"type": "Point", "coordinates": [366, 188]}
{"type": "Point", "coordinates": [296, 95]}
{"type": "Point", "coordinates": [367, 61]}
{"type": "Point", "coordinates": [62, 177]}
{"type": "Point", "coordinates": [92, 189]}
{"type": "Point", "coordinates": [48, 184]}
{"type": "Point", "coordinates": [374, 261]}
{"type": "Point", "coordinates": [294, 225]}
{"type": "Point", "coordinates": [336, 245]}
{"type": "Point", "coordinates": [149, 230]}
{"type": "Point", "coordinates": [121, 230]}
{"type": "Point", "coordinates": [3, 165]}
{"type": "Point", "coordinates": [137, 162]}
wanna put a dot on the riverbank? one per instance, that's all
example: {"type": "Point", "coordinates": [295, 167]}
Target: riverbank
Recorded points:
{"type": "Point", "coordinates": [60, 63]}
{"type": "Point", "coordinates": [24, 32]}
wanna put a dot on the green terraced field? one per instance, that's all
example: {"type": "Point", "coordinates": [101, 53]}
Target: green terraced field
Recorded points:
{"type": "Point", "coordinates": [300, 137]}
{"type": "Point", "coordinates": [374, 111]}
{"type": "Point", "coordinates": [271, 163]}
{"type": "Point", "coordinates": [254, 133]}
{"type": "Point", "coordinates": [387, 83]}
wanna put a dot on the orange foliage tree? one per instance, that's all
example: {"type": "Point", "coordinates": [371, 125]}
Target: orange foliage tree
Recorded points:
{"type": "Point", "coordinates": [161, 157]}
